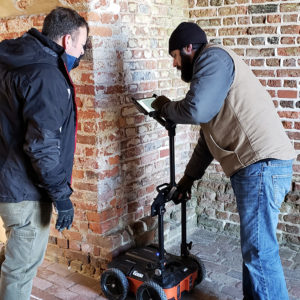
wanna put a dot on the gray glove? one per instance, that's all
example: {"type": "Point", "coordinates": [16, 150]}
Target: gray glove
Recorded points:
{"type": "Point", "coordinates": [65, 213]}
{"type": "Point", "coordinates": [159, 102]}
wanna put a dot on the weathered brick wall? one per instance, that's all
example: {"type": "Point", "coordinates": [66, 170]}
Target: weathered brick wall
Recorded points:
{"type": "Point", "coordinates": [266, 34]}
{"type": "Point", "coordinates": [121, 155]}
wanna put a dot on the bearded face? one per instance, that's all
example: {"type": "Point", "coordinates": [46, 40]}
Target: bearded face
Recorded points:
{"type": "Point", "coordinates": [186, 67]}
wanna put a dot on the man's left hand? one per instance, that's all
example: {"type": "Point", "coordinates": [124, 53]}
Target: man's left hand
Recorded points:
{"type": "Point", "coordinates": [184, 189]}
{"type": "Point", "coordinates": [65, 214]}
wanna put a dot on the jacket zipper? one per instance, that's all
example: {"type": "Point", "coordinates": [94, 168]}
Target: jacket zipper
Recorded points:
{"type": "Point", "coordinates": [76, 113]}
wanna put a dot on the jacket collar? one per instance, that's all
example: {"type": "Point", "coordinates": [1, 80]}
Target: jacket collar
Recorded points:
{"type": "Point", "coordinates": [48, 45]}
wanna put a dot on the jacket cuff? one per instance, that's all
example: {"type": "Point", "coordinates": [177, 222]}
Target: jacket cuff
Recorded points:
{"type": "Point", "coordinates": [64, 204]}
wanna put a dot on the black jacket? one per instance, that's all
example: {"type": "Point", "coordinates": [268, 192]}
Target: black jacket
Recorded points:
{"type": "Point", "coordinates": [37, 120]}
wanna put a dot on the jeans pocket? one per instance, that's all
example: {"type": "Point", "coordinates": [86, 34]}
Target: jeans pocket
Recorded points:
{"type": "Point", "coordinates": [281, 185]}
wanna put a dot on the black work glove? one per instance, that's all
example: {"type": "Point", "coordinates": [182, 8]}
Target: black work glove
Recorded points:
{"type": "Point", "coordinates": [184, 189]}
{"type": "Point", "coordinates": [65, 214]}
{"type": "Point", "coordinates": [159, 102]}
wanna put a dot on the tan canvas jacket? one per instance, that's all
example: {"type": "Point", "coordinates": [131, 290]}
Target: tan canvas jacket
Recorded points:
{"type": "Point", "coordinates": [246, 129]}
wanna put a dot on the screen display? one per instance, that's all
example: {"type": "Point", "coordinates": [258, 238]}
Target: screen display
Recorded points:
{"type": "Point", "coordinates": [146, 104]}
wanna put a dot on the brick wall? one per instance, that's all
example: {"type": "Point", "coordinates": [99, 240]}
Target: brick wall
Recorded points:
{"type": "Point", "coordinates": [121, 155]}
{"type": "Point", "coordinates": [266, 34]}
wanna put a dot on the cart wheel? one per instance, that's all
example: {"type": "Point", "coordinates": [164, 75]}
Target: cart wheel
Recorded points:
{"type": "Point", "coordinates": [114, 284]}
{"type": "Point", "coordinates": [201, 269]}
{"type": "Point", "coordinates": [150, 291]}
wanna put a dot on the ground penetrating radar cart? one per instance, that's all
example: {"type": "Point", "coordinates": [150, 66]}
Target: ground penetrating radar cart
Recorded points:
{"type": "Point", "coordinates": [150, 272]}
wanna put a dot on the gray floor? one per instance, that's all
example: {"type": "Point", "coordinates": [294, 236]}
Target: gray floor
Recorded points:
{"type": "Point", "coordinates": [222, 259]}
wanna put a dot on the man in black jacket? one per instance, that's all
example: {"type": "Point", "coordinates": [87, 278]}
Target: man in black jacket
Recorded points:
{"type": "Point", "coordinates": [37, 142]}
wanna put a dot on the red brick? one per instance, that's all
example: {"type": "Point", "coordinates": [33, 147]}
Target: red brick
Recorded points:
{"type": "Point", "coordinates": [116, 89]}
{"type": "Point", "coordinates": [89, 127]}
{"type": "Point", "coordinates": [294, 135]}
{"type": "Point", "coordinates": [291, 29]}
{"type": "Point", "coordinates": [86, 186]}
{"type": "Point", "coordinates": [296, 168]}
{"type": "Point", "coordinates": [289, 114]}
{"type": "Point", "coordinates": [287, 94]}
{"type": "Point", "coordinates": [290, 83]}
{"type": "Point", "coordinates": [108, 225]}
{"type": "Point", "coordinates": [93, 16]}
{"type": "Point", "coordinates": [85, 89]}
{"type": "Point", "coordinates": [288, 51]}
{"type": "Point", "coordinates": [164, 153]}
{"type": "Point", "coordinates": [150, 188]}
{"type": "Point", "coordinates": [109, 173]}
{"type": "Point", "coordinates": [288, 73]}
{"type": "Point", "coordinates": [274, 18]}
{"type": "Point", "coordinates": [95, 227]}
{"type": "Point", "coordinates": [114, 160]}
{"type": "Point", "coordinates": [72, 235]}
{"type": "Point", "coordinates": [89, 151]}
{"type": "Point", "coordinates": [287, 125]}
{"type": "Point", "coordinates": [263, 82]}
{"type": "Point", "coordinates": [62, 243]}
{"type": "Point", "coordinates": [290, 18]}
{"type": "Point", "coordinates": [86, 139]}
{"type": "Point", "coordinates": [109, 18]}
{"type": "Point", "coordinates": [287, 40]}
{"type": "Point", "coordinates": [274, 83]}
{"type": "Point", "coordinates": [273, 62]}
{"type": "Point", "coordinates": [100, 31]}
{"type": "Point", "coordinates": [264, 73]}
{"type": "Point", "coordinates": [107, 214]}
{"type": "Point", "coordinates": [257, 62]}
{"type": "Point", "coordinates": [78, 174]}
{"type": "Point", "coordinates": [38, 21]}
{"type": "Point", "coordinates": [272, 93]}
{"type": "Point", "coordinates": [74, 245]}
{"type": "Point", "coordinates": [86, 163]}
{"type": "Point", "coordinates": [93, 216]}
{"type": "Point", "coordinates": [88, 115]}
{"type": "Point", "coordinates": [87, 78]}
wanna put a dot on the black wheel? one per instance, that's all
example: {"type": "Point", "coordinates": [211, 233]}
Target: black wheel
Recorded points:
{"type": "Point", "coordinates": [201, 268]}
{"type": "Point", "coordinates": [114, 284]}
{"type": "Point", "coordinates": [150, 291]}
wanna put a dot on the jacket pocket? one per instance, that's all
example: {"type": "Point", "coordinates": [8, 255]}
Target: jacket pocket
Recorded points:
{"type": "Point", "coordinates": [219, 151]}
{"type": "Point", "coordinates": [229, 160]}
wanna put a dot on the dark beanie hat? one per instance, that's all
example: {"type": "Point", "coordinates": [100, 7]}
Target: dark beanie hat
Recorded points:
{"type": "Point", "coordinates": [186, 33]}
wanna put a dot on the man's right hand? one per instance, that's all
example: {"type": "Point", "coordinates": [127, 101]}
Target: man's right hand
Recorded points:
{"type": "Point", "coordinates": [65, 214]}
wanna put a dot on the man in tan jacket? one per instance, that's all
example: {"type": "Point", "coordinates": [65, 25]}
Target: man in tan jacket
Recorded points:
{"type": "Point", "coordinates": [240, 128]}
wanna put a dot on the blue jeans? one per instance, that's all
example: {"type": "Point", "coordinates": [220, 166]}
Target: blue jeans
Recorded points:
{"type": "Point", "coordinates": [27, 229]}
{"type": "Point", "coordinates": [260, 189]}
